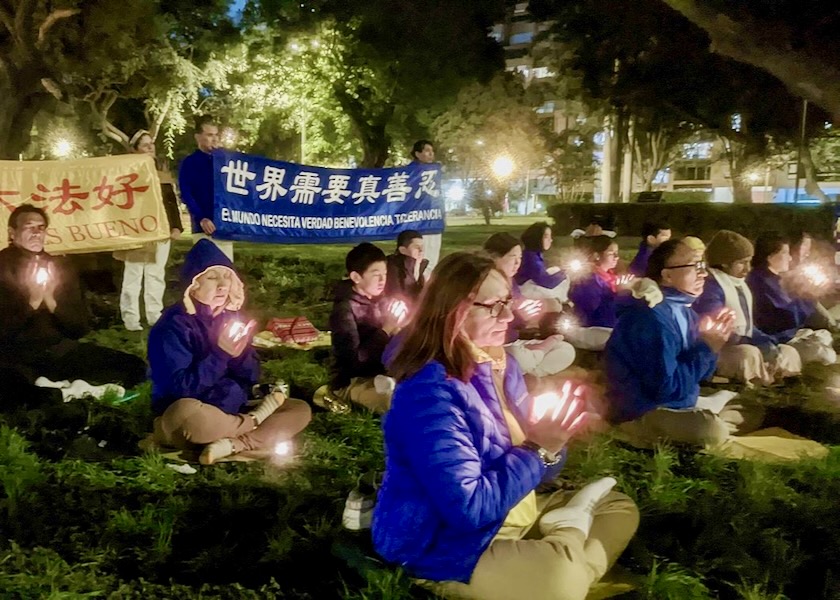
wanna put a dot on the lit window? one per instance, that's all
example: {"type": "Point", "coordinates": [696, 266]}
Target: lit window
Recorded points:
{"type": "Point", "coordinates": [697, 150]}
{"type": "Point", "coordinates": [546, 109]}
{"type": "Point", "coordinates": [542, 72]}
{"type": "Point", "coordinates": [736, 122]}
{"type": "Point", "coordinates": [521, 38]}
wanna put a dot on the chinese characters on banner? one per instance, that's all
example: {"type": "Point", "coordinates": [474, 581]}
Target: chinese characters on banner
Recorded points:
{"type": "Point", "coordinates": [93, 204]}
{"type": "Point", "coordinates": [262, 200]}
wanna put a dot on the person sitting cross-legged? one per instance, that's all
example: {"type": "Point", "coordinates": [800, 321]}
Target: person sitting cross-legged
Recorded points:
{"type": "Point", "coordinates": [536, 281]}
{"type": "Point", "coordinates": [363, 321]}
{"type": "Point", "coordinates": [750, 355]}
{"type": "Point", "coordinates": [407, 267]}
{"type": "Point", "coordinates": [43, 315]}
{"type": "Point", "coordinates": [204, 368]}
{"type": "Point", "coordinates": [538, 357]}
{"type": "Point", "coordinates": [657, 357]}
{"type": "Point", "coordinates": [466, 446]}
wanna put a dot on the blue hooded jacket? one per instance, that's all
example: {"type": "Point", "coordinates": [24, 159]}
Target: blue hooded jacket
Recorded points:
{"type": "Point", "coordinates": [451, 471]}
{"type": "Point", "coordinates": [651, 362]}
{"type": "Point", "coordinates": [185, 360]}
{"type": "Point", "coordinates": [533, 269]}
{"type": "Point", "coordinates": [595, 302]}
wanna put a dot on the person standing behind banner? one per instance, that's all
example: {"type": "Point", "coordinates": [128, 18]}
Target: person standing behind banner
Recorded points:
{"type": "Point", "coordinates": [195, 179]}
{"type": "Point", "coordinates": [146, 266]}
{"type": "Point", "coordinates": [423, 152]}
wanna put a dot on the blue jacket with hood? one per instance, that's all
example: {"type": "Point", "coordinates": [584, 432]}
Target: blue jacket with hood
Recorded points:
{"type": "Point", "coordinates": [652, 362]}
{"type": "Point", "coordinates": [452, 473]}
{"type": "Point", "coordinates": [185, 360]}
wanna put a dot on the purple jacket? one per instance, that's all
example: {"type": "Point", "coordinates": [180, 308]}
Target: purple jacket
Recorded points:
{"type": "Point", "coordinates": [776, 312]}
{"type": "Point", "coordinates": [595, 302]}
{"type": "Point", "coordinates": [640, 262]}
{"type": "Point", "coordinates": [452, 473]}
{"type": "Point", "coordinates": [533, 269]}
{"type": "Point", "coordinates": [358, 339]}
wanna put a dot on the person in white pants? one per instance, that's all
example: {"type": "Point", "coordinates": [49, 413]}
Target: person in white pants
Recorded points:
{"type": "Point", "coordinates": [423, 152]}
{"type": "Point", "coordinates": [145, 268]}
{"type": "Point", "coordinates": [540, 358]}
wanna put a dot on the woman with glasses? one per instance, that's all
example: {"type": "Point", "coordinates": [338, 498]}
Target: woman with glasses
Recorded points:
{"type": "Point", "coordinates": [658, 355]}
{"type": "Point", "coordinates": [594, 297]}
{"type": "Point", "coordinates": [538, 357]}
{"type": "Point", "coordinates": [780, 310]}
{"type": "Point", "coordinates": [466, 446]}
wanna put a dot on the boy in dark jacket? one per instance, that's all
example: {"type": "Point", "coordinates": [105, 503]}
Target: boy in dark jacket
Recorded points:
{"type": "Point", "coordinates": [203, 368]}
{"type": "Point", "coordinates": [407, 267]}
{"type": "Point", "coordinates": [362, 322]}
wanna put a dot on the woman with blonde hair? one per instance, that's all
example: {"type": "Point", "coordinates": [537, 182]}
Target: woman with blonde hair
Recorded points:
{"type": "Point", "coordinates": [466, 446]}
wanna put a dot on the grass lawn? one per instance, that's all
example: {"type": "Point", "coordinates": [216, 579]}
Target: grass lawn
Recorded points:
{"type": "Point", "coordinates": [124, 525]}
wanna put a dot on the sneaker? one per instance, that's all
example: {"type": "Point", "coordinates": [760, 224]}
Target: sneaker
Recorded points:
{"type": "Point", "coordinates": [216, 450]}
{"type": "Point", "coordinates": [326, 399]}
{"type": "Point", "coordinates": [358, 511]}
{"type": "Point", "coordinates": [384, 385]}
{"type": "Point", "coordinates": [133, 327]}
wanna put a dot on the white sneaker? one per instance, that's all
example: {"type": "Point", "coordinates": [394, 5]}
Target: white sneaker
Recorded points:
{"type": "Point", "coordinates": [358, 511]}
{"type": "Point", "coordinates": [215, 451]}
{"type": "Point", "coordinates": [80, 388]}
{"type": "Point", "coordinates": [384, 385]}
{"type": "Point", "coordinates": [579, 511]}
{"type": "Point", "coordinates": [46, 383]}
{"type": "Point", "coordinates": [133, 327]}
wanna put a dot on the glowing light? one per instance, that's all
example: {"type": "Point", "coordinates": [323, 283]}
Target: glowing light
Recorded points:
{"type": "Point", "coordinates": [816, 275]}
{"type": "Point", "coordinates": [42, 276]}
{"type": "Point", "coordinates": [502, 166]}
{"type": "Point", "coordinates": [566, 324]}
{"type": "Point", "coordinates": [456, 192]}
{"type": "Point", "coordinates": [283, 448]}
{"type": "Point", "coordinates": [62, 148]}
{"type": "Point", "coordinates": [229, 137]}
{"type": "Point", "coordinates": [575, 265]}
{"type": "Point", "coordinates": [479, 142]}
{"type": "Point", "coordinates": [754, 177]}
{"type": "Point", "coordinates": [237, 330]}
{"type": "Point", "coordinates": [549, 401]}
{"type": "Point", "coordinates": [295, 47]}
{"type": "Point", "coordinates": [399, 309]}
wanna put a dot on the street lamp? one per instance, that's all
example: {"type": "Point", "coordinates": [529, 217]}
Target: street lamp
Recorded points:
{"type": "Point", "coordinates": [502, 167]}
{"type": "Point", "coordinates": [229, 137]}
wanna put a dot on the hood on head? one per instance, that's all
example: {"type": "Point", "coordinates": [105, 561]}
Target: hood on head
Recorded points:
{"type": "Point", "coordinates": [201, 257]}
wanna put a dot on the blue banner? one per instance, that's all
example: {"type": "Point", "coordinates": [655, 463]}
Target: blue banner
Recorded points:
{"type": "Point", "coordinates": [261, 200]}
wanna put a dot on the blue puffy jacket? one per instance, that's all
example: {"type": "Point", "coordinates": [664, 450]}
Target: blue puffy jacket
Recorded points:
{"type": "Point", "coordinates": [649, 364]}
{"type": "Point", "coordinates": [451, 471]}
{"type": "Point", "coordinates": [185, 360]}
{"type": "Point", "coordinates": [533, 269]}
{"type": "Point", "coordinates": [595, 301]}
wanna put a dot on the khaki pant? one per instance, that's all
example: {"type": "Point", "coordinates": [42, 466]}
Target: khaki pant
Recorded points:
{"type": "Point", "coordinates": [745, 363]}
{"type": "Point", "coordinates": [693, 426]}
{"type": "Point", "coordinates": [542, 358]}
{"type": "Point", "coordinates": [561, 565]}
{"type": "Point", "coordinates": [589, 338]}
{"type": "Point", "coordinates": [362, 391]}
{"type": "Point", "coordinates": [188, 423]}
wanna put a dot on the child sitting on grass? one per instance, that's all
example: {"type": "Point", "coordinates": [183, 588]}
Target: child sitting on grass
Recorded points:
{"type": "Point", "coordinates": [362, 323]}
{"type": "Point", "coordinates": [203, 369]}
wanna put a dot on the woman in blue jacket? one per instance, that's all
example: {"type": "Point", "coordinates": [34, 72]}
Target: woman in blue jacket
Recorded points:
{"type": "Point", "coordinates": [465, 448]}
{"type": "Point", "coordinates": [535, 279]}
{"type": "Point", "coordinates": [203, 368]}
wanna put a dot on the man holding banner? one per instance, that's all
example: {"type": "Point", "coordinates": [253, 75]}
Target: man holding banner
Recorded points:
{"type": "Point", "coordinates": [196, 180]}
{"type": "Point", "coordinates": [423, 152]}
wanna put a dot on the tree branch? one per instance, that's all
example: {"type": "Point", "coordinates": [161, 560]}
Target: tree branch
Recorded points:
{"type": "Point", "coordinates": [52, 18]}
{"type": "Point", "coordinates": [805, 74]}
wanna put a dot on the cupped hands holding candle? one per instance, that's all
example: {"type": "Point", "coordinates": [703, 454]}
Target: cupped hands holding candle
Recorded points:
{"type": "Point", "coordinates": [396, 315]}
{"type": "Point", "coordinates": [41, 281]}
{"type": "Point", "coordinates": [529, 308]}
{"type": "Point", "coordinates": [556, 416]}
{"type": "Point", "coordinates": [716, 329]}
{"type": "Point", "coordinates": [817, 277]}
{"type": "Point", "coordinates": [235, 336]}
{"type": "Point", "coordinates": [624, 281]}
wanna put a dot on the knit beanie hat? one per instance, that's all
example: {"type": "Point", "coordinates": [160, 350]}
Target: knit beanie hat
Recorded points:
{"type": "Point", "coordinates": [726, 247]}
{"type": "Point", "coordinates": [695, 243]}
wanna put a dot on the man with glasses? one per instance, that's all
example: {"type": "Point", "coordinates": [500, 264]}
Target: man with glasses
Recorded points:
{"type": "Point", "coordinates": [657, 356]}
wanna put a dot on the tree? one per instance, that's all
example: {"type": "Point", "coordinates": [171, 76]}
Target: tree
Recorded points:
{"type": "Point", "coordinates": [795, 42]}
{"type": "Point", "coordinates": [96, 55]}
{"type": "Point", "coordinates": [393, 69]}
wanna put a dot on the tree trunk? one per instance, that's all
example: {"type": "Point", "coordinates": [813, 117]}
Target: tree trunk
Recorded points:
{"type": "Point", "coordinates": [20, 103]}
{"type": "Point", "coordinates": [741, 190]}
{"type": "Point", "coordinates": [763, 45]}
{"type": "Point", "coordinates": [811, 186]}
{"type": "Point", "coordinates": [371, 130]}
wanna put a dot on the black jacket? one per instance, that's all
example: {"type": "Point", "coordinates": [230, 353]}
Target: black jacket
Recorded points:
{"type": "Point", "coordinates": [358, 339]}
{"type": "Point", "coordinates": [401, 282]}
{"type": "Point", "coordinates": [25, 331]}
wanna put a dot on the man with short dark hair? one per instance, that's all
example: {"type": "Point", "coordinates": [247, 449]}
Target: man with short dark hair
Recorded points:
{"type": "Point", "coordinates": [406, 267]}
{"type": "Point", "coordinates": [653, 234]}
{"type": "Point", "coordinates": [43, 313]}
{"type": "Point", "coordinates": [195, 178]}
{"type": "Point", "coordinates": [423, 152]}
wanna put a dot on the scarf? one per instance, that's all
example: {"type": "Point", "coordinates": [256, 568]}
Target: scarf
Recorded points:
{"type": "Point", "coordinates": [679, 303]}
{"type": "Point", "coordinates": [739, 298]}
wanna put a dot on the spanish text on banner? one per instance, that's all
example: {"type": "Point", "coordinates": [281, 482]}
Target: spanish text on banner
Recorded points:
{"type": "Point", "coordinates": [93, 204]}
{"type": "Point", "coordinates": [262, 200]}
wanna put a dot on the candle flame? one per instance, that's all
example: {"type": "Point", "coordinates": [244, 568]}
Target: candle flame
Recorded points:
{"type": "Point", "coordinates": [283, 448]}
{"type": "Point", "coordinates": [41, 276]}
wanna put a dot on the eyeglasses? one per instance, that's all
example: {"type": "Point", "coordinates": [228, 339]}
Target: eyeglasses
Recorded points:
{"type": "Point", "coordinates": [698, 266]}
{"type": "Point", "coordinates": [497, 307]}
